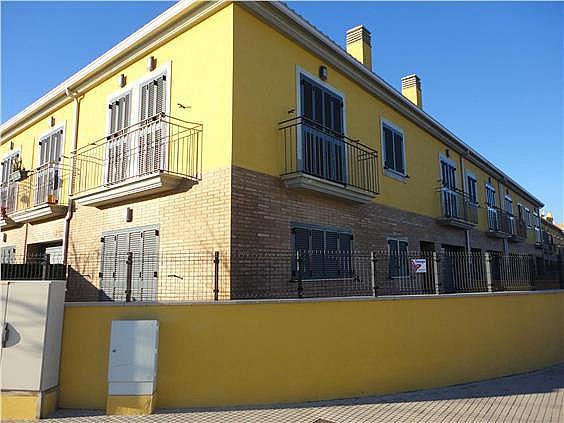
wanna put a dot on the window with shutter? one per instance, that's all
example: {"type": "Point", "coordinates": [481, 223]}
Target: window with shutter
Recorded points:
{"type": "Point", "coordinates": [47, 179]}
{"type": "Point", "coordinates": [152, 146]}
{"type": "Point", "coordinates": [398, 262]}
{"type": "Point", "coordinates": [322, 148]}
{"type": "Point", "coordinates": [393, 148]}
{"type": "Point", "coordinates": [8, 255]}
{"type": "Point", "coordinates": [326, 253]}
{"type": "Point", "coordinates": [8, 190]}
{"type": "Point", "coordinates": [493, 219]}
{"type": "Point", "coordinates": [143, 245]}
{"type": "Point", "coordinates": [118, 147]}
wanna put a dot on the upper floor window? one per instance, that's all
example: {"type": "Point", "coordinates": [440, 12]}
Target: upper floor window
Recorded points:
{"type": "Point", "coordinates": [490, 196]}
{"type": "Point", "coordinates": [520, 213]}
{"type": "Point", "coordinates": [509, 205]}
{"type": "Point", "coordinates": [47, 179]}
{"type": "Point", "coordinates": [472, 187]}
{"type": "Point", "coordinates": [8, 166]}
{"type": "Point", "coordinates": [393, 148]}
{"type": "Point", "coordinates": [528, 217]}
{"type": "Point", "coordinates": [321, 105]}
{"type": "Point", "coordinates": [322, 150]}
{"type": "Point", "coordinates": [324, 253]}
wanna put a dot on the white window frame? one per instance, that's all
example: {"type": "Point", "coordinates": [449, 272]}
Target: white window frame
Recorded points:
{"type": "Point", "coordinates": [160, 71]}
{"type": "Point", "coordinates": [164, 70]}
{"type": "Point", "coordinates": [528, 218]}
{"type": "Point", "coordinates": [471, 175]}
{"type": "Point", "coordinates": [111, 98]}
{"type": "Point", "coordinates": [9, 156]}
{"type": "Point", "coordinates": [62, 126]}
{"type": "Point", "coordinates": [398, 239]}
{"type": "Point", "coordinates": [392, 172]}
{"type": "Point", "coordinates": [298, 110]}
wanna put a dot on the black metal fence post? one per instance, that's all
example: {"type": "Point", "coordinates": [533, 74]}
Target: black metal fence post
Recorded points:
{"type": "Point", "coordinates": [128, 277]}
{"type": "Point", "coordinates": [216, 276]}
{"type": "Point", "coordinates": [299, 261]}
{"type": "Point", "coordinates": [374, 283]}
{"type": "Point", "coordinates": [44, 266]}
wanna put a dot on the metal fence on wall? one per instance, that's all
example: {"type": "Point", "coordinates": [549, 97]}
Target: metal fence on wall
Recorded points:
{"type": "Point", "coordinates": [271, 274]}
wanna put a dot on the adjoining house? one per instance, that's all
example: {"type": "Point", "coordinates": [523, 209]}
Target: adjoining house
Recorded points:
{"type": "Point", "coordinates": [552, 239]}
{"type": "Point", "coordinates": [237, 128]}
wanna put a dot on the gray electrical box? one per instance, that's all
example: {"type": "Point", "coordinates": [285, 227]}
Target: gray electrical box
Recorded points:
{"type": "Point", "coordinates": [132, 367]}
{"type": "Point", "coordinates": [31, 314]}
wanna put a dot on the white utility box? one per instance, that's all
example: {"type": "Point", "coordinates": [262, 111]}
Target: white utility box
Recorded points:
{"type": "Point", "coordinates": [31, 314]}
{"type": "Point", "coordinates": [132, 367]}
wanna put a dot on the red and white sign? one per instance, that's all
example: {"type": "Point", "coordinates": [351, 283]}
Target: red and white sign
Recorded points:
{"type": "Point", "coordinates": [419, 265]}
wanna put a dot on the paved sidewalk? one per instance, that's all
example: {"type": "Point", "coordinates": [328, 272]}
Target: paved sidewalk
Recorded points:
{"type": "Point", "coordinates": [530, 397]}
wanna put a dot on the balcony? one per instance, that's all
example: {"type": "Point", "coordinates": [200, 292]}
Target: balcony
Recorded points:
{"type": "Point", "coordinates": [500, 223]}
{"type": "Point", "coordinates": [457, 209]}
{"type": "Point", "coordinates": [40, 196]}
{"type": "Point", "coordinates": [318, 159]}
{"type": "Point", "coordinates": [520, 233]}
{"type": "Point", "coordinates": [151, 157]}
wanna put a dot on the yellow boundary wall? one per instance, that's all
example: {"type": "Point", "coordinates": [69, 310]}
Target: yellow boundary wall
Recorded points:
{"type": "Point", "coordinates": [285, 351]}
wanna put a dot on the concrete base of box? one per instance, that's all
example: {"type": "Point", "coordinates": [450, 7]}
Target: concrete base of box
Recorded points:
{"type": "Point", "coordinates": [130, 405]}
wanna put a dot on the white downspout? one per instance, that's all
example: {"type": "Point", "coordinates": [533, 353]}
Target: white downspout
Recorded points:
{"type": "Point", "coordinates": [75, 96]}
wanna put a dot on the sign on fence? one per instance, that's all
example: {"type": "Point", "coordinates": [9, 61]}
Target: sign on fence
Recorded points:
{"type": "Point", "coordinates": [419, 265]}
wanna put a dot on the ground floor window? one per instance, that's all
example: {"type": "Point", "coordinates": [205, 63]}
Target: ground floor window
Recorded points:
{"type": "Point", "coordinates": [398, 262]}
{"type": "Point", "coordinates": [136, 249]}
{"type": "Point", "coordinates": [324, 253]}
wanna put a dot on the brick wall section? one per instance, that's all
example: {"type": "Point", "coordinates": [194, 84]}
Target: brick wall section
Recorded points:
{"type": "Point", "coordinates": [46, 231]}
{"type": "Point", "coordinates": [264, 210]}
{"type": "Point", "coordinates": [194, 221]}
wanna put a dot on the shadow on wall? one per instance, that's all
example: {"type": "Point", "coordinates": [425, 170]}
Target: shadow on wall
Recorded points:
{"type": "Point", "coordinates": [79, 288]}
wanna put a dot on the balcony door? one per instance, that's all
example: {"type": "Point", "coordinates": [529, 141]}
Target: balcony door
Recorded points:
{"type": "Point", "coordinates": [8, 189]}
{"type": "Point", "coordinates": [152, 141]}
{"type": "Point", "coordinates": [493, 218]}
{"type": "Point", "coordinates": [46, 182]}
{"type": "Point", "coordinates": [118, 150]}
{"type": "Point", "coordinates": [448, 189]}
{"type": "Point", "coordinates": [322, 145]}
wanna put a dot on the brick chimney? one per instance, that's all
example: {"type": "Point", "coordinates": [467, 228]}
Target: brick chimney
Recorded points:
{"type": "Point", "coordinates": [411, 89]}
{"type": "Point", "coordinates": [359, 45]}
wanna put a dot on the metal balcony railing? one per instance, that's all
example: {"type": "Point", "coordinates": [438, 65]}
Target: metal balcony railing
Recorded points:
{"type": "Point", "coordinates": [520, 232]}
{"type": "Point", "coordinates": [43, 185]}
{"type": "Point", "coordinates": [160, 144]}
{"type": "Point", "coordinates": [500, 221]}
{"type": "Point", "coordinates": [457, 205]}
{"type": "Point", "coordinates": [312, 149]}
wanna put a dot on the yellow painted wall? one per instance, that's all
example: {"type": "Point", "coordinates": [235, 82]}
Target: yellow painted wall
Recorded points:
{"type": "Point", "coordinates": [233, 353]}
{"type": "Point", "coordinates": [265, 90]}
{"type": "Point", "coordinates": [201, 78]}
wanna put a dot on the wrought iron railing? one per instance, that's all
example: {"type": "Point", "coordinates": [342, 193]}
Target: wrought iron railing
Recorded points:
{"type": "Point", "coordinates": [520, 229]}
{"type": "Point", "coordinates": [160, 144]}
{"type": "Point", "coordinates": [457, 205]}
{"type": "Point", "coordinates": [312, 149]}
{"type": "Point", "coordinates": [44, 185]}
{"type": "Point", "coordinates": [499, 221]}
{"type": "Point", "coordinates": [257, 274]}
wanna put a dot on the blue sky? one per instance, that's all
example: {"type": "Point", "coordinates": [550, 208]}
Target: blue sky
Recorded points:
{"type": "Point", "coordinates": [491, 72]}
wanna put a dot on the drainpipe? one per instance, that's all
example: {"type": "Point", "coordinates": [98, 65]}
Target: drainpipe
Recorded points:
{"type": "Point", "coordinates": [76, 98]}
